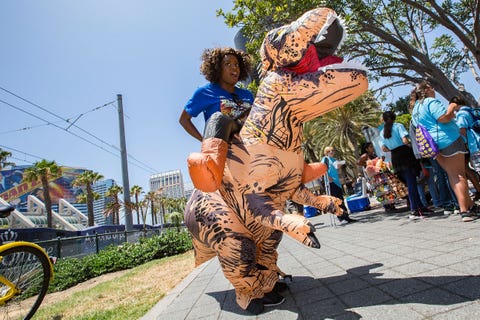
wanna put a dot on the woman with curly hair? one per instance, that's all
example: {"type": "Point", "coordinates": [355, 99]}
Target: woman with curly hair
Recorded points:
{"type": "Point", "coordinates": [439, 120]}
{"type": "Point", "coordinates": [224, 106]}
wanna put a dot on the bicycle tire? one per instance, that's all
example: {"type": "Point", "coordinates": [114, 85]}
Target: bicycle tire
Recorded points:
{"type": "Point", "coordinates": [28, 267]}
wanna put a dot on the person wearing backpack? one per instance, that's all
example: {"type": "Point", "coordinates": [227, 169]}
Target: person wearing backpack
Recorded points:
{"type": "Point", "coordinates": [439, 121]}
{"type": "Point", "coordinates": [466, 120]}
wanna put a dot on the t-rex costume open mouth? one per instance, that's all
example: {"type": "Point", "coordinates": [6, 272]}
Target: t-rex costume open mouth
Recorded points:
{"type": "Point", "coordinates": [243, 223]}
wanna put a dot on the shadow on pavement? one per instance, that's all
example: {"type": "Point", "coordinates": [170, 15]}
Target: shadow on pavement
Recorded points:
{"type": "Point", "coordinates": [331, 297]}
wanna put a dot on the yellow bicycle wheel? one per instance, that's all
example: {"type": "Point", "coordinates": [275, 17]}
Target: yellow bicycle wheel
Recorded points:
{"type": "Point", "coordinates": [25, 273]}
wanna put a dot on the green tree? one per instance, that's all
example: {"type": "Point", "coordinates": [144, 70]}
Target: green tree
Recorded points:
{"type": "Point", "coordinates": [115, 204]}
{"type": "Point", "coordinates": [4, 155]}
{"type": "Point", "coordinates": [341, 129]}
{"type": "Point", "coordinates": [401, 106]}
{"type": "Point", "coordinates": [176, 219]}
{"type": "Point", "coordinates": [136, 191]}
{"type": "Point", "coordinates": [45, 171]}
{"type": "Point", "coordinates": [152, 200]}
{"type": "Point", "coordinates": [400, 41]}
{"type": "Point", "coordinates": [87, 179]}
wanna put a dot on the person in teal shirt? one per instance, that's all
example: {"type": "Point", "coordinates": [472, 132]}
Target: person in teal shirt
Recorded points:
{"type": "Point", "coordinates": [465, 122]}
{"type": "Point", "coordinates": [439, 120]}
{"type": "Point", "coordinates": [394, 139]}
{"type": "Point", "coordinates": [334, 181]}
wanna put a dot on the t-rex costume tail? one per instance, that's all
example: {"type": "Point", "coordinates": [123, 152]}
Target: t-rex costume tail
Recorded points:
{"type": "Point", "coordinates": [243, 223]}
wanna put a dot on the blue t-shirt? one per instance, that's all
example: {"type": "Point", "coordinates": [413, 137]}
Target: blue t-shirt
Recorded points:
{"type": "Point", "coordinates": [395, 141]}
{"type": "Point", "coordinates": [211, 98]}
{"type": "Point", "coordinates": [427, 114]}
{"type": "Point", "coordinates": [332, 171]}
{"type": "Point", "coordinates": [464, 119]}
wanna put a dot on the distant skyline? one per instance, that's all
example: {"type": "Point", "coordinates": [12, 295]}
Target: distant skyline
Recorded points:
{"type": "Point", "coordinates": [64, 62]}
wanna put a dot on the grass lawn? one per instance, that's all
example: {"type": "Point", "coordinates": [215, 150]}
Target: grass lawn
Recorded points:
{"type": "Point", "coordinates": [127, 294]}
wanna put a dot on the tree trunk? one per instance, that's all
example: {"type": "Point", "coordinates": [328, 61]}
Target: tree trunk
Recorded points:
{"type": "Point", "coordinates": [47, 200]}
{"type": "Point", "coordinates": [91, 218]}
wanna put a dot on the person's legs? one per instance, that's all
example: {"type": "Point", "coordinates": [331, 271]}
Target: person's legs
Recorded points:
{"type": "Point", "coordinates": [413, 196]}
{"type": "Point", "coordinates": [432, 188]}
{"type": "Point", "coordinates": [442, 184]}
{"type": "Point", "coordinates": [455, 168]}
{"type": "Point", "coordinates": [421, 194]}
{"type": "Point", "coordinates": [472, 176]}
{"type": "Point", "coordinates": [337, 192]}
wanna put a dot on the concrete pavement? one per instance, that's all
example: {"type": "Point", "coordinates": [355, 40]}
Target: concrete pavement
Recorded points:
{"type": "Point", "coordinates": [383, 267]}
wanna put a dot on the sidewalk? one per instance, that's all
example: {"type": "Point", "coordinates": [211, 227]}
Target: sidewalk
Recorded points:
{"type": "Point", "coordinates": [383, 267]}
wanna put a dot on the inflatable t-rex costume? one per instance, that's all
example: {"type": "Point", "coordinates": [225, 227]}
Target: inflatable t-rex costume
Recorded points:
{"type": "Point", "coordinates": [243, 223]}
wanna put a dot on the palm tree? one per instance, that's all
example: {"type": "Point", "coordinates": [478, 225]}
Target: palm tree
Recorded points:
{"type": "Point", "coordinates": [176, 219]}
{"type": "Point", "coordinates": [114, 206]}
{"type": "Point", "coordinates": [163, 202]}
{"type": "Point", "coordinates": [45, 171]}
{"type": "Point", "coordinates": [3, 159]}
{"type": "Point", "coordinates": [136, 191]}
{"type": "Point", "coordinates": [143, 206]}
{"type": "Point", "coordinates": [153, 198]}
{"type": "Point", "coordinates": [87, 179]}
{"type": "Point", "coordinates": [341, 129]}
{"type": "Point", "coordinates": [83, 198]}
{"type": "Point", "coordinates": [177, 204]}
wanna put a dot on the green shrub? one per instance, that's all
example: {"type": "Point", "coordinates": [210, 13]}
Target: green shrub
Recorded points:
{"type": "Point", "coordinates": [71, 271]}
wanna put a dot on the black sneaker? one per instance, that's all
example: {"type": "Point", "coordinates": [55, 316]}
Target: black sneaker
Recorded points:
{"type": "Point", "coordinates": [448, 210]}
{"type": "Point", "coordinates": [468, 216]}
{"type": "Point", "coordinates": [280, 287]}
{"type": "Point", "coordinates": [416, 214]}
{"type": "Point", "coordinates": [272, 299]}
{"type": "Point", "coordinates": [475, 209]}
{"type": "Point", "coordinates": [426, 210]}
{"type": "Point", "coordinates": [255, 306]}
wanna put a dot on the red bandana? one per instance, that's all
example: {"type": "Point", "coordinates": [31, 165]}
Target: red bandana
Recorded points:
{"type": "Point", "coordinates": [311, 63]}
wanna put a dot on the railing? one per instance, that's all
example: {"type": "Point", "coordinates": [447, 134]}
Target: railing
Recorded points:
{"type": "Point", "coordinates": [92, 244]}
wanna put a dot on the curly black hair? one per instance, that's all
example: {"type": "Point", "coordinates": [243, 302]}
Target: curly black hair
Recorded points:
{"type": "Point", "coordinates": [211, 66]}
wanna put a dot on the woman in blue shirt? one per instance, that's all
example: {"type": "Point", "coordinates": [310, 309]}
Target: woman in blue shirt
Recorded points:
{"type": "Point", "coordinates": [439, 120]}
{"type": "Point", "coordinates": [224, 106]}
{"type": "Point", "coordinates": [335, 185]}
{"type": "Point", "coordinates": [394, 139]}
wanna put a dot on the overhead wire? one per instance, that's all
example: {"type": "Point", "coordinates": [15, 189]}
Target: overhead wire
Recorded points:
{"type": "Point", "coordinates": [142, 165]}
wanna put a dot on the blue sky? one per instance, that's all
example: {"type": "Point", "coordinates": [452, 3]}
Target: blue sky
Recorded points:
{"type": "Point", "coordinates": [71, 57]}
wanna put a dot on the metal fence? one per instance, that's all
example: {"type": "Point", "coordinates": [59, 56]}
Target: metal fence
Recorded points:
{"type": "Point", "coordinates": [91, 244]}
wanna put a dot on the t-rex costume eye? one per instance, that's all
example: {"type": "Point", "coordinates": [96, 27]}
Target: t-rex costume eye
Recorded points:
{"type": "Point", "coordinates": [243, 223]}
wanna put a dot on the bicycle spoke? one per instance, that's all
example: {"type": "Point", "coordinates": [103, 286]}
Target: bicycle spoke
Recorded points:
{"type": "Point", "coordinates": [27, 271]}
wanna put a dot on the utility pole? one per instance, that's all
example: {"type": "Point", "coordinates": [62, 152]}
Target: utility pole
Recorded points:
{"type": "Point", "coordinates": [123, 152]}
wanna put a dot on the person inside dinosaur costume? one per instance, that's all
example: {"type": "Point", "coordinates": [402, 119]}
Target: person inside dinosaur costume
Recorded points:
{"type": "Point", "coordinates": [243, 223]}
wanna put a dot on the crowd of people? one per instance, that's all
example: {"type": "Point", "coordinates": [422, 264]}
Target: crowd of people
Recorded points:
{"type": "Point", "coordinates": [447, 173]}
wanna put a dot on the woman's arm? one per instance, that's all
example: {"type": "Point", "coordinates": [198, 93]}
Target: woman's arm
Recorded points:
{"type": "Point", "coordinates": [450, 114]}
{"type": "Point", "coordinates": [186, 122]}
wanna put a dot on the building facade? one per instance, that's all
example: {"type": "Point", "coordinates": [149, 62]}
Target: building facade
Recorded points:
{"type": "Point", "coordinates": [168, 184]}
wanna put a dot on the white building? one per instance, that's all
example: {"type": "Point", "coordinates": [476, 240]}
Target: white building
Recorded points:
{"type": "Point", "coordinates": [169, 184]}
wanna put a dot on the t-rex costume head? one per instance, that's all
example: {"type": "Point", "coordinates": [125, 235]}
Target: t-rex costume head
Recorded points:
{"type": "Point", "coordinates": [243, 223]}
